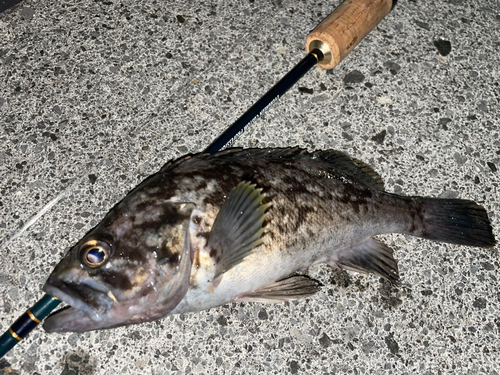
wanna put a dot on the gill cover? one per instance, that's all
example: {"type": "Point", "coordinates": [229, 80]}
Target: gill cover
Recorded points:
{"type": "Point", "coordinates": [178, 285]}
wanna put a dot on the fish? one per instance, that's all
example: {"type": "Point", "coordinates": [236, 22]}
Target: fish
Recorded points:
{"type": "Point", "coordinates": [239, 226]}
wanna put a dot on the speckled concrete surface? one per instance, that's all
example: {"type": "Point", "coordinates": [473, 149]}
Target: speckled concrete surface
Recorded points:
{"type": "Point", "coordinates": [97, 95]}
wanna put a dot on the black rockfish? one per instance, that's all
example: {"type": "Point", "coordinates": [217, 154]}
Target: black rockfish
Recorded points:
{"type": "Point", "coordinates": [235, 226]}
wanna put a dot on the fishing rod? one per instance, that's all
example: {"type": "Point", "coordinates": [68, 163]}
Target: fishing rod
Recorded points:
{"type": "Point", "coordinates": [326, 46]}
{"type": "Point", "coordinates": [6, 4]}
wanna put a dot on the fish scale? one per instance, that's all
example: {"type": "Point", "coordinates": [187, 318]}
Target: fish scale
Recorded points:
{"type": "Point", "coordinates": [194, 237]}
{"type": "Point", "coordinates": [328, 44]}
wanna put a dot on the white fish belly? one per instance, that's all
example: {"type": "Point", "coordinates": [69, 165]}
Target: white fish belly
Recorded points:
{"type": "Point", "coordinates": [258, 270]}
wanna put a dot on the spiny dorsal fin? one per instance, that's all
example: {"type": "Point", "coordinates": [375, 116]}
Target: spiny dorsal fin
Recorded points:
{"type": "Point", "coordinates": [238, 229]}
{"type": "Point", "coordinates": [238, 152]}
{"type": "Point", "coordinates": [288, 289]}
{"type": "Point", "coordinates": [173, 163]}
{"type": "Point", "coordinates": [329, 158]}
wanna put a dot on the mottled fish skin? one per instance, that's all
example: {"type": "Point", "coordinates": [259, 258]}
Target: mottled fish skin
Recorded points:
{"type": "Point", "coordinates": [325, 207]}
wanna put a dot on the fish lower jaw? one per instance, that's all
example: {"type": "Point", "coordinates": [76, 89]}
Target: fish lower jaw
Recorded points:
{"type": "Point", "coordinates": [67, 319]}
{"type": "Point", "coordinates": [74, 303]}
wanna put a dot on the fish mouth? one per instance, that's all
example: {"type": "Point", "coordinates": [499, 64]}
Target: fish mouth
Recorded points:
{"type": "Point", "coordinates": [69, 319]}
{"type": "Point", "coordinates": [87, 302]}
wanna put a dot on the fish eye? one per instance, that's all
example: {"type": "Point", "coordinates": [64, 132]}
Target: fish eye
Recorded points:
{"type": "Point", "coordinates": [95, 252]}
{"type": "Point", "coordinates": [96, 256]}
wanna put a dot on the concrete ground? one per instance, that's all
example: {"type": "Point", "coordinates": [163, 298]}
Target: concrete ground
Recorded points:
{"type": "Point", "coordinates": [97, 95]}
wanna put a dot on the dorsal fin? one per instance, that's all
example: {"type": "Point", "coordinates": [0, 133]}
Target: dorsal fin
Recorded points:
{"type": "Point", "coordinates": [238, 152]}
{"type": "Point", "coordinates": [350, 166]}
{"type": "Point", "coordinates": [329, 158]}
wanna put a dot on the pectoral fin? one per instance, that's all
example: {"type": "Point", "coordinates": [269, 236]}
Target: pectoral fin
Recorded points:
{"type": "Point", "coordinates": [238, 229]}
{"type": "Point", "coordinates": [288, 289]}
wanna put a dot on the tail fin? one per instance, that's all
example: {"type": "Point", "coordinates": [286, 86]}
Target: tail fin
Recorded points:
{"type": "Point", "coordinates": [457, 221]}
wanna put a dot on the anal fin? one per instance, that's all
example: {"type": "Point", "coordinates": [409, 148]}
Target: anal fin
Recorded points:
{"type": "Point", "coordinates": [288, 289]}
{"type": "Point", "coordinates": [370, 256]}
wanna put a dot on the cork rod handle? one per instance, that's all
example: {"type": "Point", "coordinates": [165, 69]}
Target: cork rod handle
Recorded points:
{"type": "Point", "coordinates": [338, 34]}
